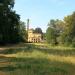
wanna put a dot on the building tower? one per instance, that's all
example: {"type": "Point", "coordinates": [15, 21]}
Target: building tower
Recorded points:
{"type": "Point", "coordinates": [27, 24]}
{"type": "Point", "coordinates": [27, 29]}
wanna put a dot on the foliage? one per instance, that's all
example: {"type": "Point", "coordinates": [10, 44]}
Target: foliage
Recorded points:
{"type": "Point", "coordinates": [50, 35]}
{"type": "Point", "coordinates": [69, 31]}
{"type": "Point", "coordinates": [38, 30]}
{"type": "Point", "coordinates": [57, 27]}
{"type": "Point", "coordinates": [64, 30]}
{"type": "Point", "coordinates": [22, 32]}
{"type": "Point", "coordinates": [9, 23]}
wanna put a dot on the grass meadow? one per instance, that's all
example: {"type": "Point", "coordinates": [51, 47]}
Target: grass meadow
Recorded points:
{"type": "Point", "coordinates": [37, 59]}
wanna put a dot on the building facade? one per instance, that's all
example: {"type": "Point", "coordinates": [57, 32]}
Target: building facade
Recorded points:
{"type": "Point", "coordinates": [34, 37]}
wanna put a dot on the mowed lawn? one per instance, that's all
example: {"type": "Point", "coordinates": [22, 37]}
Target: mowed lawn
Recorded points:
{"type": "Point", "coordinates": [37, 59]}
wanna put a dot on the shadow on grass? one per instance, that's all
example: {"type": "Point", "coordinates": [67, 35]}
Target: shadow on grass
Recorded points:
{"type": "Point", "coordinates": [31, 47]}
{"type": "Point", "coordinates": [60, 52]}
{"type": "Point", "coordinates": [8, 68]}
{"type": "Point", "coordinates": [32, 66]}
{"type": "Point", "coordinates": [26, 48]}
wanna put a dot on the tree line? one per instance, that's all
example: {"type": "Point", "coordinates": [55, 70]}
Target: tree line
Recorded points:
{"type": "Point", "coordinates": [61, 32]}
{"type": "Point", "coordinates": [13, 30]}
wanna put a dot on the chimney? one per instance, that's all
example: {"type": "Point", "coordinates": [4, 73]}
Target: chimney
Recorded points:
{"type": "Point", "coordinates": [27, 24]}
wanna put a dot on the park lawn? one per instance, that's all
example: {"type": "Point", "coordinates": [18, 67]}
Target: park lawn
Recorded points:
{"type": "Point", "coordinates": [35, 59]}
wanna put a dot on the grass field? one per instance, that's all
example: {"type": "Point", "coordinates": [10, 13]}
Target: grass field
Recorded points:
{"type": "Point", "coordinates": [37, 59]}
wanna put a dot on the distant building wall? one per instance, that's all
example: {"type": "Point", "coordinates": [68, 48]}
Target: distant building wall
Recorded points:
{"type": "Point", "coordinates": [34, 37]}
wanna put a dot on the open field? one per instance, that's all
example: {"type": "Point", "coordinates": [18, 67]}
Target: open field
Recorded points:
{"type": "Point", "coordinates": [37, 59]}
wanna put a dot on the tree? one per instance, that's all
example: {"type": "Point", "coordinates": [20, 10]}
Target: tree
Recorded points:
{"type": "Point", "coordinates": [23, 32]}
{"type": "Point", "coordinates": [58, 26]}
{"type": "Point", "coordinates": [38, 30]}
{"type": "Point", "coordinates": [69, 28]}
{"type": "Point", "coordinates": [52, 30]}
{"type": "Point", "coordinates": [50, 36]}
{"type": "Point", "coordinates": [52, 23]}
{"type": "Point", "coordinates": [64, 31]}
{"type": "Point", "coordinates": [9, 22]}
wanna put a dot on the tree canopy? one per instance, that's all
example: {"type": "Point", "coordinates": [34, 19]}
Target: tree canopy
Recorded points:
{"type": "Point", "coordinates": [50, 36]}
{"type": "Point", "coordinates": [38, 30]}
{"type": "Point", "coordinates": [9, 23]}
{"type": "Point", "coordinates": [64, 30]}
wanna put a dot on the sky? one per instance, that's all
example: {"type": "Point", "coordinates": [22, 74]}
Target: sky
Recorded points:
{"type": "Point", "coordinates": [40, 12]}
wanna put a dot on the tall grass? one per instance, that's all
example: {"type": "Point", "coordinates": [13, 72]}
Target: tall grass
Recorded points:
{"type": "Point", "coordinates": [35, 59]}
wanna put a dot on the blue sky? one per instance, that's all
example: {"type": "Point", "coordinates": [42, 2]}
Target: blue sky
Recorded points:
{"type": "Point", "coordinates": [41, 11]}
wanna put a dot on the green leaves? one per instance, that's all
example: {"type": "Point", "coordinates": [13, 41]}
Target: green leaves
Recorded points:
{"type": "Point", "coordinates": [50, 36]}
{"type": "Point", "coordinates": [9, 22]}
{"type": "Point", "coordinates": [38, 30]}
{"type": "Point", "coordinates": [64, 30]}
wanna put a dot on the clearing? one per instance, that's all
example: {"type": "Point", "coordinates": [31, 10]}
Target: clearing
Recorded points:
{"type": "Point", "coordinates": [37, 59]}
